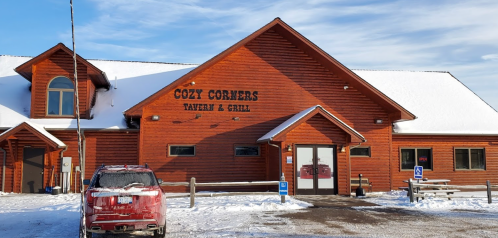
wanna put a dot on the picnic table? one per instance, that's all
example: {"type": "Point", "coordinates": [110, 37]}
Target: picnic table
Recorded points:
{"type": "Point", "coordinates": [430, 185]}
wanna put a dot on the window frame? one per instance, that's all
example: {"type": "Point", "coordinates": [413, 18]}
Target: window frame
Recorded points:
{"type": "Point", "coordinates": [61, 94]}
{"type": "Point", "coordinates": [169, 150]}
{"type": "Point", "coordinates": [416, 161]}
{"type": "Point", "coordinates": [245, 145]}
{"type": "Point", "coordinates": [470, 158]}
{"type": "Point", "coordinates": [362, 147]}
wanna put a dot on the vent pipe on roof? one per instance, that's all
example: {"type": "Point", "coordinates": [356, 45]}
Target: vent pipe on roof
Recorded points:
{"type": "Point", "coordinates": [115, 82]}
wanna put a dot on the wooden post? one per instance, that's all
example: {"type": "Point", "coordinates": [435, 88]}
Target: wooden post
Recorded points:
{"type": "Point", "coordinates": [488, 185]}
{"type": "Point", "coordinates": [192, 192]}
{"type": "Point", "coordinates": [410, 190]}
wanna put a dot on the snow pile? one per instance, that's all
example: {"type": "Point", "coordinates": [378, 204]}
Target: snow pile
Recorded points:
{"type": "Point", "coordinates": [234, 204]}
{"type": "Point", "coordinates": [39, 215]}
{"type": "Point", "coordinates": [473, 201]}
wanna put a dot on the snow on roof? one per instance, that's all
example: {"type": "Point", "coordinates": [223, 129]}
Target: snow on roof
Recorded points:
{"type": "Point", "coordinates": [42, 130]}
{"type": "Point", "coordinates": [289, 122]}
{"type": "Point", "coordinates": [442, 104]}
{"type": "Point", "coordinates": [135, 82]}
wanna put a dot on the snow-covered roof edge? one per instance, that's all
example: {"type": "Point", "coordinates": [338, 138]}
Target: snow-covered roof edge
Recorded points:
{"type": "Point", "coordinates": [298, 116]}
{"type": "Point", "coordinates": [40, 129]}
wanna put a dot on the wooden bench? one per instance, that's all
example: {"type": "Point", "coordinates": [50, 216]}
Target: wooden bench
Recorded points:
{"type": "Point", "coordinates": [355, 182]}
{"type": "Point", "coordinates": [448, 192]}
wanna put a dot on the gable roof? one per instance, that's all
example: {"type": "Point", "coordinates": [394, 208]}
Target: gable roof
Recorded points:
{"type": "Point", "coordinates": [36, 130]}
{"type": "Point", "coordinates": [97, 76]}
{"type": "Point", "coordinates": [443, 104]}
{"type": "Point", "coordinates": [15, 97]}
{"type": "Point", "coordinates": [397, 111]}
{"type": "Point", "coordinates": [303, 116]}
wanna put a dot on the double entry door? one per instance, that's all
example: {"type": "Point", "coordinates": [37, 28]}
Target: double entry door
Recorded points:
{"type": "Point", "coordinates": [315, 169]}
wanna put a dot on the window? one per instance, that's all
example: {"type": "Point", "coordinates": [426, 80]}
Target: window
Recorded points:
{"type": "Point", "coordinates": [182, 150]}
{"type": "Point", "coordinates": [60, 97]}
{"type": "Point", "coordinates": [246, 150]}
{"type": "Point", "coordinates": [122, 179]}
{"type": "Point", "coordinates": [360, 152]}
{"type": "Point", "coordinates": [470, 158]}
{"type": "Point", "coordinates": [416, 157]}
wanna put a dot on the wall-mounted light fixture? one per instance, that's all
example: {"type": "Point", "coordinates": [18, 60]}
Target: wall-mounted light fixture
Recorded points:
{"type": "Point", "coordinates": [343, 149]}
{"type": "Point", "coordinates": [198, 115]}
{"type": "Point", "coordinates": [289, 148]}
{"type": "Point", "coordinates": [378, 121]}
{"type": "Point", "coordinates": [192, 83]}
{"type": "Point", "coordinates": [155, 117]}
{"type": "Point", "coordinates": [236, 119]}
{"type": "Point", "coordinates": [346, 87]}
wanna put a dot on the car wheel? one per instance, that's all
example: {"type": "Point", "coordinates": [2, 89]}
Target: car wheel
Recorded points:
{"type": "Point", "coordinates": [89, 234]}
{"type": "Point", "coordinates": [156, 232]}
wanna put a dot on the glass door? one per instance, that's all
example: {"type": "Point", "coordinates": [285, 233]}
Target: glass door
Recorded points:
{"type": "Point", "coordinates": [315, 166]}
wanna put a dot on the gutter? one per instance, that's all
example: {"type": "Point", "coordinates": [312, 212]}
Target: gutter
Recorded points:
{"type": "Point", "coordinates": [3, 169]}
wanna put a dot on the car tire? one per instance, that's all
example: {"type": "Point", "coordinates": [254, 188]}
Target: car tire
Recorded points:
{"type": "Point", "coordinates": [89, 234]}
{"type": "Point", "coordinates": [156, 232]}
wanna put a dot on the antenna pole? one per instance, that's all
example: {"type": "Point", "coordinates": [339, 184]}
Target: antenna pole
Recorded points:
{"type": "Point", "coordinates": [78, 131]}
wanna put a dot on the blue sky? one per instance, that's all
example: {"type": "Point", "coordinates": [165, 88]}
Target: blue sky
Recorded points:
{"type": "Point", "coordinates": [456, 36]}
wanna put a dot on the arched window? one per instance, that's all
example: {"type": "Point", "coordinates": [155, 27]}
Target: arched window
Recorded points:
{"type": "Point", "coordinates": [60, 97]}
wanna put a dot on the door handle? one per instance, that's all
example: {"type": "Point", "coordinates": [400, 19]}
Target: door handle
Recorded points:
{"type": "Point", "coordinates": [316, 170]}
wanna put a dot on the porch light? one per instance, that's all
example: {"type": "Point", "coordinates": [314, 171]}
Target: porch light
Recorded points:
{"type": "Point", "coordinates": [236, 119]}
{"type": "Point", "coordinates": [343, 149]}
{"type": "Point", "coordinates": [198, 115]}
{"type": "Point", "coordinates": [289, 148]}
{"type": "Point", "coordinates": [378, 121]}
{"type": "Point", "coordinates": [155, 117]}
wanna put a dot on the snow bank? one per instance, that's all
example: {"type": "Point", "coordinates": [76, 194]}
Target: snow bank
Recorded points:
{"type": "Point", "coordinates": [473, 201]}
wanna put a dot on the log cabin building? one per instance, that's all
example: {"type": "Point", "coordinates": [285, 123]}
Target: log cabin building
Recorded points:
{"type": "Point", "coordinates": [273, 103]}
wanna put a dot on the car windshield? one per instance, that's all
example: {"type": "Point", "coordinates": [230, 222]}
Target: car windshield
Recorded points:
{"type": "Point", "coordinates": [122, 179]}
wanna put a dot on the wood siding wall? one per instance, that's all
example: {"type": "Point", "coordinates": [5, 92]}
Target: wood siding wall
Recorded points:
{"type": "Point", "coordinates": [107, 147]}
{"type": "Point", "coordinates": [59, 64]}
{"type": "Point", "coordinates": [317, 131]}
{"type": "Point", "coordinates": [287, 80]}
{"type": "Point", "coordinates": [443, 158]}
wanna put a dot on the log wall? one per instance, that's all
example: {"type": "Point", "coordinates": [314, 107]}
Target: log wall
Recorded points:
{"type": "Point", "coordinates": [59, 64]}
{"type": "Point", "coordinates": [443, 158]}
{"type": "Point", "coordinates": [287, 81]}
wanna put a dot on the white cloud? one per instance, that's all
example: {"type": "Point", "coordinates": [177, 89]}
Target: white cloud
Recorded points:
{"type": "Point", "coordinates": [490, 57]}
{"type": "Point", "coordinates": [454, 36]}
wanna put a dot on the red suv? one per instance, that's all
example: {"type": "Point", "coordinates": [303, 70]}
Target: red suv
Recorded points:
{"type": "Point", "coordinates": [124, 199]}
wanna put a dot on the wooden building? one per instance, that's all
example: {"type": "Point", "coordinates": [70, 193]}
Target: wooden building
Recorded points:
{"type": "Point", "coordinates": [272, 104]}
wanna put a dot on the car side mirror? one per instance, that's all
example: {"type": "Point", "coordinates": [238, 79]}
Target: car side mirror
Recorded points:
{"type": "Point", "coordinates": [160, 181]}
{"type": "Point", "coordinates": [86, 182]}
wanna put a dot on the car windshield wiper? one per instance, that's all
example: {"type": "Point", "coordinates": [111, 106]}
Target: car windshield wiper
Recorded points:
{"type": "Point", "coordinates": [133, 185]}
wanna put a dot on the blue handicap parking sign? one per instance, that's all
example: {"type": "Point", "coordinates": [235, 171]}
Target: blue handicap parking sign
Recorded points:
{"type": "Point", "coordinates": [418, 172]}
{"type": "Point", "coordinates": [282, 188]}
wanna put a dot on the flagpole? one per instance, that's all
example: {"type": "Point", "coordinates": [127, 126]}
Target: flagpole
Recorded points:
{"type": "Point", "coordinates": [78, 131]}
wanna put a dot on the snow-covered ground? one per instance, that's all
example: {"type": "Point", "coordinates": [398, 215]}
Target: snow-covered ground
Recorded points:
{"type": "Point", "coordinates": [43, 215]}
{"type": "Point", "coordinates": [476, 201]}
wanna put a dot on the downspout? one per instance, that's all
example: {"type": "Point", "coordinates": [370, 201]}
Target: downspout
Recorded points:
{"type": "Point", "coordinates": [83, 142]}
{"type": "Point", "coordinates": [3, 168]}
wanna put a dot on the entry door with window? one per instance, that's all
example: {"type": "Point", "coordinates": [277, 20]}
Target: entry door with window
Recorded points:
{"type": "Point", "coordinates": [32, 170]}
{"type": "Point", "coordinates": [315, 169]}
